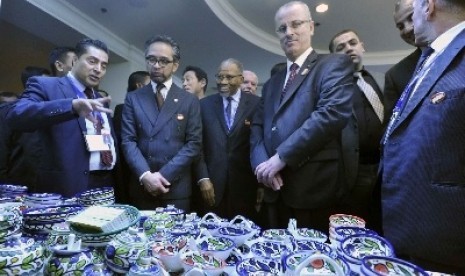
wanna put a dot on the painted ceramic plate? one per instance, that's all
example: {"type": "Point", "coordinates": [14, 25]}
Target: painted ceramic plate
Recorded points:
{"type": "Point", "coordinates": [359, 246]}
{"type": "Point", "coordinates": [391, 266]}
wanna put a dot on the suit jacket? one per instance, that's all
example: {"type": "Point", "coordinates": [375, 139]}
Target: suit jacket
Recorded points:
{"type": "Point", "coordinates": [46, 106]}
{"type": "Point", "coordinates": [423, 178]}
{"type": "Point", "coordinates": [226, 153]}
{"type": "Point", "coordinates": [396, 79]}
{"type": "Point", "coordinates": [305, 130]}
{"type": "Point", "coordinates": [165, 141]}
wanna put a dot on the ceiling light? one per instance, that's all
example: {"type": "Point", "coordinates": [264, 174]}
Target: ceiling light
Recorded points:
{"type": "Point", "coordinates": [321, 8]}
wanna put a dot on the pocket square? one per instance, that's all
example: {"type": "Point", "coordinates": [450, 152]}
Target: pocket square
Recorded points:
{"type": "Point", "coordinates": [437, 97]}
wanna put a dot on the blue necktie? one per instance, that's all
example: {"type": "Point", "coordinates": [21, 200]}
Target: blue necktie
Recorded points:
{"type": "Point", "coordinates": [228, 112]}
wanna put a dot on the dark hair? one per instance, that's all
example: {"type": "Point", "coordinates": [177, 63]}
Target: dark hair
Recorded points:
{"type": "Point", "coordinates": [31, 71]}
{"type": "Point", "coordinates": [168, 40]}
{"type": "Point", "coordinates": [278, 67]}
{"type": "Point", "coordinates": [199, 73]}
{"type": "Point", "coordinates": [58, 53]}
{"type": "Point", "coordinates": [331, 42]}
{"type": "Point", "coordinates": [83, 45]}
{"type": "Point", "coordinates": [135, 78]}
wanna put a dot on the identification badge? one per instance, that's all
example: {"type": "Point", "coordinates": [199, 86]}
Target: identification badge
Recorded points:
{"type": "Point", "coordinates": [96, 143]}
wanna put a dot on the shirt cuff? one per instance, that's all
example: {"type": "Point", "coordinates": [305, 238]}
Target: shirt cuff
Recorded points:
{"type": "Point", "coordinates": [142, 176]}
{"type": "Point", "coordinates": [202, 179]}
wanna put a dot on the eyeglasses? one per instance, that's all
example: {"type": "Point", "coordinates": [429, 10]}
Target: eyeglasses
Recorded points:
{"type": "Point", "coordinates": [227, 77]}
{"type": "Point", "coordinates": [162, 61]}
{"type": "Point", "coordinates": [293, 25]}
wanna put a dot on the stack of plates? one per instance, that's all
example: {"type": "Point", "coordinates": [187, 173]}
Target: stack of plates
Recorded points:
{"type": "Point", "coordinates": [39, 200]}
{"type": "Point", "coordinates": [95, 197]}
{"type": "Point", "coordinates": [343, 220]}
{"type": "Point", "coordinates": [40, 221]}
{"type": "Point", "coordinates": [10, 222]}
{"type": "Point", "coordinates": [7, 190]}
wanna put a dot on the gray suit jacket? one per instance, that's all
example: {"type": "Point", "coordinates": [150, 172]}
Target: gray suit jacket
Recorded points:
{"type": "Point", "coordinates": [165, 141]}
{"type": "Point", "coordinates": [305, 130]}
{"type": "Point", "coordinates": [423, 177]}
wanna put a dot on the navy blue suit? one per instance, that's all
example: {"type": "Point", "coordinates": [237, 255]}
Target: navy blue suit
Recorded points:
{"type": "Point", "coordinates": [305, 130]}
{"type": "Point", "coordinates": [226, 155]}
{"type": "Point", "coordinates": [46, 106]}
{"type": "Point", "coordinates": [423, 176]}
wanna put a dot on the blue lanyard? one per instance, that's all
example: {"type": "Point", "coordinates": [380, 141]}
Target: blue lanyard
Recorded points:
{"type": "Point", "coordinates": [81, 95]}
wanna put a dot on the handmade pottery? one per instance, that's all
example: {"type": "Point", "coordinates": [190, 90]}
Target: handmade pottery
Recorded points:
{"type": "Point", "coordinates": [208, 264]}
{"type": "Point", "coordinates": [378, 266]}
{"type": "Point", "coordinates": [259, 266]}
{"type": "Point", "coordinates": [20, 256]}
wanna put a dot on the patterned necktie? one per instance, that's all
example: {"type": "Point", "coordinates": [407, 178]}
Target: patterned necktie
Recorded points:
{"type": "Point", "coordinates": [371, 96]}
{"type": "Point", "coordinates": [228, 111]}
{"type": "Point", "coordinates": [294, 69]}
{"type": "Point", "coordinates": [106, 157]}
{"type": "Point", "coordinates": [160, 99]}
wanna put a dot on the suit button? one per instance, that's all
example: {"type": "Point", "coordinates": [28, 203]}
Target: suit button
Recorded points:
{"type": "Point", "coordinates": [273, 128]}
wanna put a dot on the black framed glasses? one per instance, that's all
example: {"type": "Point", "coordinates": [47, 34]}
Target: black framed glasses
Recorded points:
{"type": "Point", "coordinates": [227, 77]}
{"type": "Point", "coordinates": [162, 61]}
{"type": "Point", "coordinates": [293, 25]}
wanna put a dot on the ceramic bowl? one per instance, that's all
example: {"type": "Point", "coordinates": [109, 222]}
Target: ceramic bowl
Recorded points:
{"type": "Point", "coordinates": [102, 239]}
{"type": "Point", "coordinates": [212, 223]}
{"type": "Point", "coordinates": [379, 266]}
{"type": "Point", "coordinates": [314, 246]}
{"type": "Point", "coordinates": [144, 267]}
{"type": "Point", "coordinates": [19, 250]}
{"type": "Point", "coordinates": [10, 188]}
{"type": "Point", "coordinates": [276, 235]}
{"type": "Point", "coordinates": [209, 264]}
{"type": "Point", "coordinates": [97, 202]}
{"type": "Point", "coordinates": [259, 266]}
{"type": "Point", "coordinates": [355, 247]}
{"type": "Point", "coordinates": [98, 270]}
{"type": "Point", "coordinates": [238, 234]}
{"type": "Point", "coordinates": [156, 225]}
{"type": "Point", "coordinates": [273, 250]}
{"type": "Point", "coordinates": [310, 234]}
{"type": "Point", "coordinates": [67, 262]}
{"type": "Point", "coordinates": [169, 254]}
{"type": "Point", "coordinates": [231, 262]}
{"type": "Point", "coordinates": [338, 220]}
{"type": "Point", "coordinates": [46, 214]}
{"type": "Point", "coordinates": [219, 247]}
{"type": "Point", "coordinates": [96, 194]}
{"type": "Point", "coordinates": [315, 267]}
{"type": "Point", "coordinates": [40, 227]}
{"type": "Point", "coordinates": [170, 210]}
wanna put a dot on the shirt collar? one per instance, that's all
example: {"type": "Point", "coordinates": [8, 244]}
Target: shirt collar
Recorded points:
{"type": "Point", "coordinates": [75, 82]}
{"type": "Point", "coordinates": [441, 42]}
{"type": "Point", "coordinates": [236, 97]}
{"type": "Point", "coordinates": [300, 60]}
{"type": "Point", "coordinates": [167, 84]}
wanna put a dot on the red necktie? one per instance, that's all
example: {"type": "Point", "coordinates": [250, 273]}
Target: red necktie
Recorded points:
{"type": "Point", "coordinates": [160, 99]}
{"type": "Point", "coordinates": [106, 157]}
{"type": "Point", "coordinates": [294, 69]}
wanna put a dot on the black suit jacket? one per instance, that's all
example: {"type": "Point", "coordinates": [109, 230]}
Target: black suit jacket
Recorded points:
{"type": "Point", "coordinates": [396, 80]}
{"type": "Point", "coordinates": [226, 153]}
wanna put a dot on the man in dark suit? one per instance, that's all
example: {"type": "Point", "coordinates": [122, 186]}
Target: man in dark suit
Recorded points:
{"type": "Point", "coordinates": [296, 135]}
{"type": "Point", "coordinates": [161, 132]}
{"type": "Point", "coordinates": [61, 60]}
{"type": "Point", "coordinates": [226, 180]}
{"type": "Point", "coordinates": [362, 135]}
{"type": "Point", "coordinates": [61, 112]}
{"type": "Point", "coordinates": [423, 180]}
{"type": "Point", "coordinates": [397, 77]}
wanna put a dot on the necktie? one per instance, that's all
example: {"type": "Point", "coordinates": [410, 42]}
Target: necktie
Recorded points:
{"type": "Point", "coordinates": [406, 94]}
{"type": "Point", "coordinates": [228, 111]}
{"type": "Point", "coordinates": [371, 96]}
{"type": "Point", "coordinates": [106, 157]}
{"type": "Point", "coordinates": [294, 69]}
{"type": "Point", "coordinates": [160, 99]}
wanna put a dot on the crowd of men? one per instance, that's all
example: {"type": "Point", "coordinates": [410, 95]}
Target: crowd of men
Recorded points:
{"type": "Point", "coordinates": [323, 138]}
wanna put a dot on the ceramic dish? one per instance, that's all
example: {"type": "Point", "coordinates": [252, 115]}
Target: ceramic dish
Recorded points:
{"type": "Point", "coordinates": [259, 266]}
{"type": "Point", "coordinates": [356, 247]}
{"type": "Point", "coordinates": [314, 246]}
{"type": "Point", "coordinates": [220, 247]}
{"type": "Point", "coordinates": [310, 234]}
{"type": "Point", "coordinates": [316, 267]}
{"type": "Point", "coordinates": [278, 235]}
{"type": "Point", "coordinates": [376, 266]}
{"type": "Point", "coordinates": [238, 234]}
{"type": "Point", "coordinates": [209, 264]}
{"type": "Point", "coordinates": [266, 249]}
{"type": "Point", "coordinates": [44, 214]}
{"type": "Point", "coordinates": [96, 194]}
{"type": "Point", "coordinates": [338, 220]}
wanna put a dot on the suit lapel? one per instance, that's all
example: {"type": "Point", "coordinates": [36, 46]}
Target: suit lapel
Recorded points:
{"type": "Point", "coordinates": [148, 104]}
{"type": "Point", "coordinates": [429, 80]}
{"type": "Point", "coordinates": [276, 93]}
{"type": "Point", "coordinates": [219, 110]}
{"type": "Point", "coordinates": [170, 106]}
{"type": "Point", "coordinates": [301, 75]}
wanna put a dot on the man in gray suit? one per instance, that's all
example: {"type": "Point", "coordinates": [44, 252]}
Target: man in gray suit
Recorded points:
{"type": "Point", "coordinates": [161, 132]}
{"type": "Point", "coordinates": [296, 135]}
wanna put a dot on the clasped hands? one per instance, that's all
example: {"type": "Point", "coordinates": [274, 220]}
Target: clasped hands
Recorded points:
{"type": "Point", "coordinates": [85, 107]}
{"type": "Point", "coordinates": [207, 191]}
{"type": "Point", "coordinates": [155, 184]}
{"type": "Point", "coordinates": [268, 172]}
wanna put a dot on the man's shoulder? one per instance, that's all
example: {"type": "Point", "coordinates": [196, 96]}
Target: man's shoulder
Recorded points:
{"type": "Point", "coordinates": [405, 63]}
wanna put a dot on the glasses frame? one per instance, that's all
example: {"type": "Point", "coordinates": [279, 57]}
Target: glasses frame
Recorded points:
{"type": "Point", "coordinates": [227, 77]}
{"type": "Point", "coordinates": [295, 24]}
{"type": "Point", "coordinates": [162, 61]}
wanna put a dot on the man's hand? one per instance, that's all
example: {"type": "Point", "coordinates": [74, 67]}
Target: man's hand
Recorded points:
{"type": "Point", "coordinates": [85, 107]}
{"type": "Point", "coordinates": [155, 184]}
{"type": "Point", "coordinates": [267, 171]}
{"type": "Point", "coordinates": [208, 192]}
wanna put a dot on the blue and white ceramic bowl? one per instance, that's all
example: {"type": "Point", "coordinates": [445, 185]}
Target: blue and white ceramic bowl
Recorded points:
{"type": "Point", "coordinates": [238, 234]}
{"type": "Point", "coordinates": [314, 246]}
{"type": "Point", "coordinates": [259, 266]}
{"type": "Point", "coordinates": [207, 263]}
{"type": "Point", "coordinates": [316, 267]}
{"type": "Point", "coordinates": [380, 266]}
{"type": "Point", "coordinates": [272, 250]}
{"type": "Point", "coordinates": [310, 234]}
{"type": "Point", "coordinates": [220, 247]}
{"type": "Point", "coordinates": [276, 235]}
{"type": "Point", "coordinates": [50, 214]}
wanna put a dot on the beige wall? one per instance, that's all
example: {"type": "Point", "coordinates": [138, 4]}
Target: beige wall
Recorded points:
{"type": "Point", "coordinates": [19, 49]}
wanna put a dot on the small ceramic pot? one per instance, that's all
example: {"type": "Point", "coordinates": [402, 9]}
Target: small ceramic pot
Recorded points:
{"type": "Point", "coordinates": [212, 223]}
{"type": "Point", "coordinates": [144, 267]}
{"type": "Point", "coordinates": [219, 247]}
{"type": "Point", "coordinates": [58, 237]}
{"type": "Point", "coordinates": [170, 255]}
{"type": "Point", "coordinates": [98, 270]}
{"type": "Point", "coordinates": [259, 266]}
{"type": "Point", "coordinates": [68, 262]}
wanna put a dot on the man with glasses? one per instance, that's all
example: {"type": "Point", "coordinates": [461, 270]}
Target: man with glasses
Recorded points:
{"type": "Point", "coordinates": [296, 135]}
{"type": "Point", "coordinates": [226, 180]}
{"type": "Point", "coordinates": [161, 132]}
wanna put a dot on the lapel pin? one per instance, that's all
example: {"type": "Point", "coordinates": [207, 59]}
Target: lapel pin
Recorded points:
{"type": "Point", "coordinates": [247, 122]}
{"type": "Point", "coordinates": [180, 117]}
{"type": "Point", "coordinates": [437, 97]}
{"type": "Point", "coordinates": [175, 100]}
{"type": "Point", "coordinates": [304, 72]}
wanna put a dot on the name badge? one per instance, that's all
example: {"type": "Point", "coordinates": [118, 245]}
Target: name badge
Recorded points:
{"type": "Point", "coordinates": [96, 143]}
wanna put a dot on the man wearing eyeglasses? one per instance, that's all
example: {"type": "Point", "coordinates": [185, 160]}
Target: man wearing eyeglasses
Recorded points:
{"type": "Point", "coordinates": [161, 132]}
{"type": "Point", "coordinates": [226, 180]}
{"type": "Point", "coordinates": [296, 135]}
